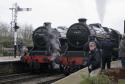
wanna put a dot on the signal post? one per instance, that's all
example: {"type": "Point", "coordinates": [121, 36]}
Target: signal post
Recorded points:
{"type": "Point", "coordinates": [14, 25]}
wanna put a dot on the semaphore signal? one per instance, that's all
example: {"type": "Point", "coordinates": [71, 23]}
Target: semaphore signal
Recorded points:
{"type": "Point", "coordinates": [14, 25]}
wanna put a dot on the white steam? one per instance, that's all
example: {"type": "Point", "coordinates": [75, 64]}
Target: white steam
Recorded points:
{"type": "Point", "coordinates": [101, 6]}
{"type": "Point", "coordinates": [54, 44]}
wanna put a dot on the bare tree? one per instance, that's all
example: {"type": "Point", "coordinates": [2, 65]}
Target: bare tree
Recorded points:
{"type": "Point", "coordinates": [4, 30]}
{"type": "Point", "coordinates": [6, 36]}
{"type": "Point", "coordinates": [25, 33]}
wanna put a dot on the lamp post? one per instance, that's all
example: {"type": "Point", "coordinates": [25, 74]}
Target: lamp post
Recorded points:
{"type": "Point", "coordinates": [14, 25]}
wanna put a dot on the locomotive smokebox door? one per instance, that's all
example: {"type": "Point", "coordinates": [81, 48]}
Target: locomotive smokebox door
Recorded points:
{"type": "Point", "coordinates": [77, 34]}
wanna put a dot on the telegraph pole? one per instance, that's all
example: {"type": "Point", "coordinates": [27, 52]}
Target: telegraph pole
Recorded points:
{"type": "Point", "coordinates": [14, 25]}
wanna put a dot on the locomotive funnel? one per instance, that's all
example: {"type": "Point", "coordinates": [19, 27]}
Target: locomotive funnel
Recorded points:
{"type": "Point", "coordinates": [47, 24]}
{"type": "Point", "coordinates": [82, 20]}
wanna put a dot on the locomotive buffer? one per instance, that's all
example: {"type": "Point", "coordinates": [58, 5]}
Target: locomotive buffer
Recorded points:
{"type": "Point", "coordinates": [15, 10]}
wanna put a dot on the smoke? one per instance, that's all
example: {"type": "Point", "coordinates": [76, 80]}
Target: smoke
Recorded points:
{"type": "Point", "coordinates": [101, 6]}
{"type": "Point", "coordinates": [54, 44]}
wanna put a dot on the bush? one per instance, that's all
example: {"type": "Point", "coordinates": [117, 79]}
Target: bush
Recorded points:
{"type": "Point", "coordinates": [99, 79]}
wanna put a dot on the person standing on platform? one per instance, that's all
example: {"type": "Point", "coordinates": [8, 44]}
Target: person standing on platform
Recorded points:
{"type": "Point", "coordinates": [122, 51]}
{"type": "Point", "coordinates": [107, 48]}
{"type": "Point", "coordinates": [94, 60]}
{"type": "Point", "coordinates": [20, 46]}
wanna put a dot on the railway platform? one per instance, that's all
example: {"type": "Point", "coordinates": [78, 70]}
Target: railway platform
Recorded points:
{"type": "Point", "coordinates": [9, 58]}
{"type": "Point", "coordinates": [76, 77]}
{"type": "Point", "coordinates": [10, 64]}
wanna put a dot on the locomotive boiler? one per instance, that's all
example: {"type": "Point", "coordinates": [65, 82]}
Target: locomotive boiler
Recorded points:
{"type": "Point", "coordinates": [39, 38]}
{"type": "Point", "coordinates": [80, 33]}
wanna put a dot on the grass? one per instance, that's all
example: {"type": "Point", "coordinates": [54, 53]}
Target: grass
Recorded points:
{"type": "Point", "coordinates": [121, 81]}
{"type": "Point", "coordinates": [99, 79]}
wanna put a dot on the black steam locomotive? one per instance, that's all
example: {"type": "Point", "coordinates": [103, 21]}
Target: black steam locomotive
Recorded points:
{"type": "Point", "coordinates": [77, 36]}
{"type": "Point", "coordinates": [40, 54]}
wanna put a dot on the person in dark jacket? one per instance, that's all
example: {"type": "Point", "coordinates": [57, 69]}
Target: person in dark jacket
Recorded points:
{"type": "Point", "coordinates": [20, 47]}
{"type": "Point", "coordinates": [122, 51]}
{"type": "Point", "coordinates": [94, 60]}
{"type": "Point", "coordinates": [107, 48]}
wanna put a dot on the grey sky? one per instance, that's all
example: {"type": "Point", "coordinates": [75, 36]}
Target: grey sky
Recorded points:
{"type": "Point", "coordinates": [65, 12]}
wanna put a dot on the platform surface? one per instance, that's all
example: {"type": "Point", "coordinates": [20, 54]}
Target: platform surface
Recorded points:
{"type": "Point", "coordinates": [76, 77]}
{"type": "Point", "coordinates": [9, 58]}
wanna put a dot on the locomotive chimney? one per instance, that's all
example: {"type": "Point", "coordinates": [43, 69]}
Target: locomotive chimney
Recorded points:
{"type": "Point", "coordinates": [47, 24]}
{"type": "Point", "coordinates": [82, 20]}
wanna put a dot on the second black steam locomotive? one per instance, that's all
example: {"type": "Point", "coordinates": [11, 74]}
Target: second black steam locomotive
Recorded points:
{"type": "Point", "coordinates": [77, 36]}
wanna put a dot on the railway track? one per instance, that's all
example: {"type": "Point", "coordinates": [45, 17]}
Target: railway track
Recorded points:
{"type": "Point", "coordinates": [49, 79]}
{"type": "Point", "coordinates": [28, 78]}
{"type": "Point", "coordinates": [2, 77]}
{"type": "Point", "coordinates": [10, 79]}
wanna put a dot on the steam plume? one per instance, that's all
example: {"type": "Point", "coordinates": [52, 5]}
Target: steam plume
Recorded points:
{"type": "Point", "coordinates": [101, 6]}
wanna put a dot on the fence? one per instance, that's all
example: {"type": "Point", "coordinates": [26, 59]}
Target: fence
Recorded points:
{"type": "Point", "coordinates": [6, 51]}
